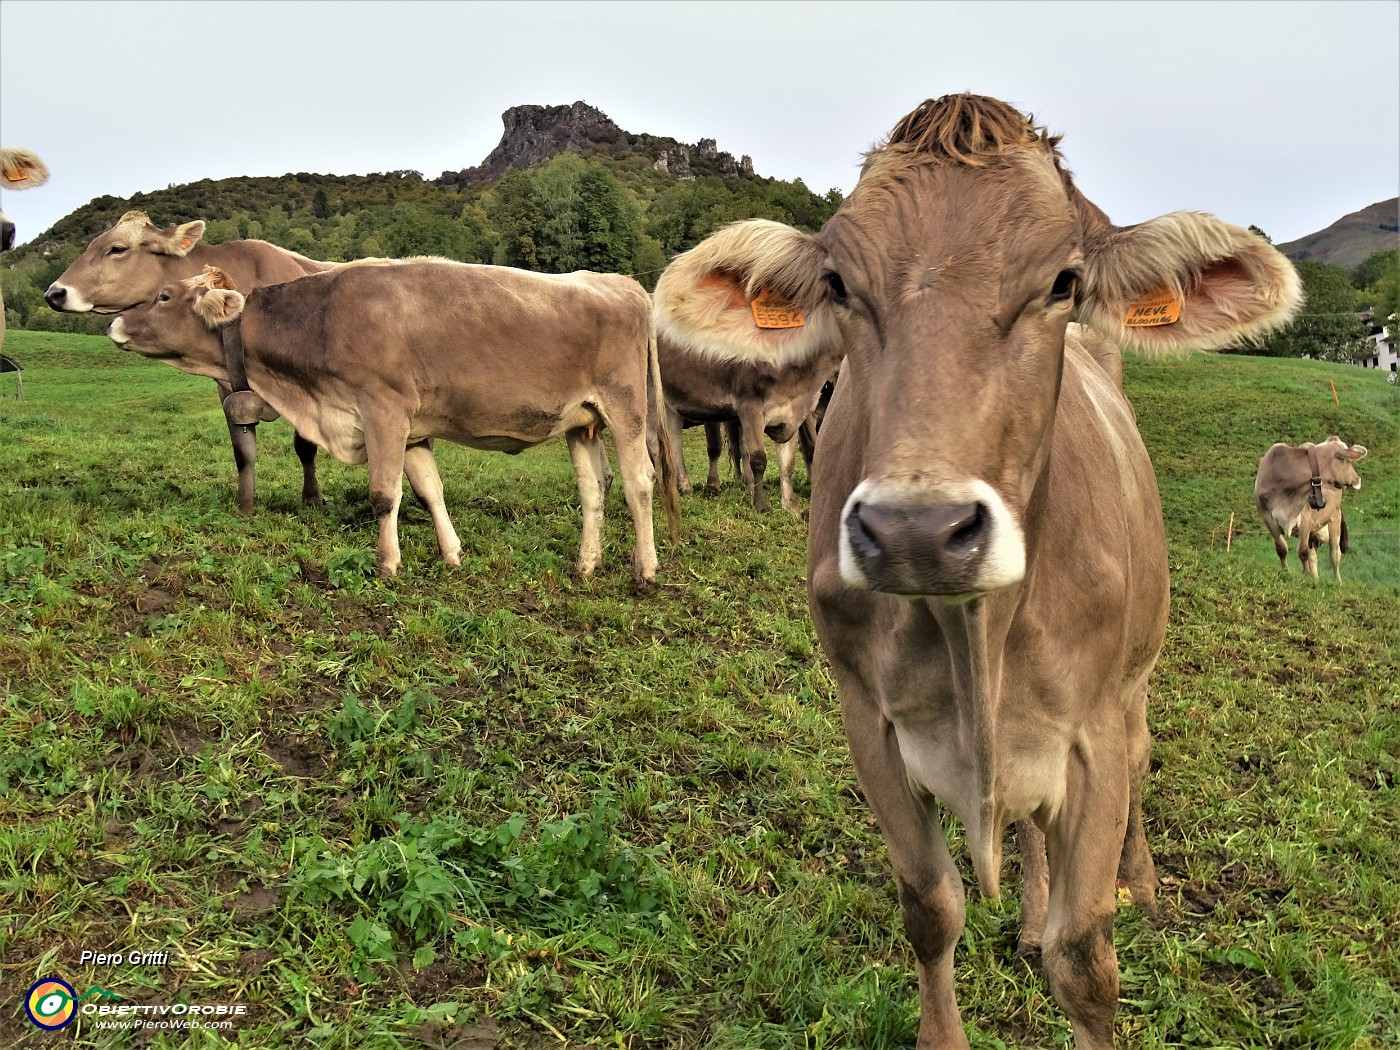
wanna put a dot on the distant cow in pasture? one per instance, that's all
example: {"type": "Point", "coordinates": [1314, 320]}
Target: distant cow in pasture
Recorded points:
{"type": "Point", "coordinates": [715, 370]}
{"type": "Point", "coordinates": [374, 359]}
{"type": "Point", "coordinates": [1301, 488]}
{"type": "Point", "coordinates": [128, 264]}
{"type": "Point", "coordinates": [20, 169]}
{"type": "Point", "coordinates": [987, 565]}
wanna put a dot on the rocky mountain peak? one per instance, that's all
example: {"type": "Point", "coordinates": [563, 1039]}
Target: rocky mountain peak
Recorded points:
{"type": "Point", "coordinates": [533, 135]}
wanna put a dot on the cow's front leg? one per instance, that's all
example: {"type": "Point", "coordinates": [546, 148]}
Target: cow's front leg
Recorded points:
{"type": "Point", "coordinates": [755, 455]}
{"type": "Point", "coordinates": [930, 889]}
{"type": "Point", "coordinates": [385, 446]}
{"type": "Point", "coordinates": [310, 487]}
{"type": "Point", "coordinates": [1084, 843]}
{"type": "Point", "coordinates": [245, 453]}
{"type": "Point", "coordinates": [585, 451]}
{"type": "Point", "coordinates": [421, 467]}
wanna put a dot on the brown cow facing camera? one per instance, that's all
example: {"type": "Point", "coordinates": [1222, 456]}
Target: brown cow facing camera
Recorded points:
{"type": "Point", "coordinates": [1301, 488]}
{"type": "Point", "coordinates": [991, 647]}
{"type": "Point", "coordinates": [374, 359]}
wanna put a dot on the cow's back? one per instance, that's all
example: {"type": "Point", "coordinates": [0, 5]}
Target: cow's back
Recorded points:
{"type": "Point", "coordinates": [250, 263]}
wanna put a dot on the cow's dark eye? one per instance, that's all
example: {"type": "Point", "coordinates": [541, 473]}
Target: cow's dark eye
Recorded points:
{"type": "Point", "coordinates": [1066, 284]}
{"type": "Point", "coordinates": [164, 297]}
{"type": "Point", "coordinates": [116, 249]}
{"type": "Point", "coordinates": [836, 285]}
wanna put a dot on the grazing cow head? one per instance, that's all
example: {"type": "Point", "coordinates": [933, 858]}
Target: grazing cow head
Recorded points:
{"type": "Point", "coordinates": [20, 169]}
{"type": "Point", "coordinates": [123, 267]}
{"type": "Point", "coordinates": [180, 324]}
{"type": "Point", "coordinates": [952, 271]}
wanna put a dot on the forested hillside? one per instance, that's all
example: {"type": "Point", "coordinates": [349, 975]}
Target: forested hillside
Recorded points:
{"type": "Point", "coordinates": [565, 190]}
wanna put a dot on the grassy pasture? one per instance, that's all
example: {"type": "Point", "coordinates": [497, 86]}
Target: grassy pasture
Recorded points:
{"type": "Point", "coordinates": [501, 807]}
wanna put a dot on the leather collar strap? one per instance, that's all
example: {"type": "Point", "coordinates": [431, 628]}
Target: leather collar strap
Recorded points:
{"type": "Point", "coordinates": [232, 333]}
{"type": "Point", "coordinates": [1316, 499]}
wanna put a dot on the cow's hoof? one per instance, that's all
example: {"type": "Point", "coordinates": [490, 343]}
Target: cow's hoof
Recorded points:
{"type": "Point", "coordinates": [643, 586]}
{"type": "Point", "coordinates": [453, 558]}
{"type": "Point", "coordinates": [314, 502]}
{"type": "Point", "coordinates": [387, 572]}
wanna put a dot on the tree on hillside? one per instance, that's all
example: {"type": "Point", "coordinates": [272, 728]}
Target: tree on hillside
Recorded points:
{"type": "Point", "coordinates": [568, 214]}
{"type": "Point", "coordinates": [1374, 267]}
{"type": "Point", "coordinates": [1327, 328]}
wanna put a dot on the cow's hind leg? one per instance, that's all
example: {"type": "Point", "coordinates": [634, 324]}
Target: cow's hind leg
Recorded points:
{"type": "Point", "coordinates": [638, 480]}
{"type": "Point", "coordinates": [1307, 551]}
{"type": "Point", "coordinates": [384, 455]}
{"type": "Point", "coordinates": [1035, 889]}
{"type": "Point", "coordinates": [676, 426]}
{"type": "Point", "coordinates": [1084, 843]}
{"type": "Point", "coordinates": [585, 451]}
{"type": "Point", "coordinates": [1334, 548]}
{"type": "Point", "coordinates": [310, 487]}
{"type": "Point", "coordinates": [1135, 867]}
{"type": "Point", "coordinates": [714, 452]}
{"type": "Point", "coordinates": [421, 467]}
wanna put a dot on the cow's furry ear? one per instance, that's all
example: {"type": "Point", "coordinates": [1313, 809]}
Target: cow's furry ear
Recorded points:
{"type": "Point", "coordinates": [219, 306]}
{"type": "Point", "coordinates": [213, 277]}
{"type": "Point", "coordinates": [22, 169]}
{"type": "Point", "coordinates": [1225, 286]}
{"type": "Point", "coordinates": [1357, 452]}
{"type": "Point", "coordinates": [182, 238]}
{"type": "Point", "coordinates": [710, 299]}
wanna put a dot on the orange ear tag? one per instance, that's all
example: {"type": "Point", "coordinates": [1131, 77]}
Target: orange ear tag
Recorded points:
{"type": "Point", "coordinates": [771, 310]}
{"type": "Point", "coordinates": [16, 174]}
{"type": "Point", "coordinates": [1157, 307]}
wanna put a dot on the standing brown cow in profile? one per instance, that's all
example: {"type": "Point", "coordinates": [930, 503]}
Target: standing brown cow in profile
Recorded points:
{"type": "Point", "coordinates": [375, 359]}
{"type": "Point", "coordinates": [987, 566]}
{"type": "Point", "coordinates": [1301, 488]}
{"type": "Point", "coordinates": [128, 264]}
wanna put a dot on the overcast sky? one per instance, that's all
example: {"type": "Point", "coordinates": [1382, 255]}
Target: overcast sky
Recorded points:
{"type": "Point", "coordinates": [1285, 115]}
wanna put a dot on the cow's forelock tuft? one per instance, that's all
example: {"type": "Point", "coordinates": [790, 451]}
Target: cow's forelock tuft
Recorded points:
{"type": "Point", "coordinates": [965, 128]}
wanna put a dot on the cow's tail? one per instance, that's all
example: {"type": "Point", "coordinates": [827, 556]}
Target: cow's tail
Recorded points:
{"type": "Point", "coordinates": [667, 452]}
{"type": "Point", "coordinates": [1343, 542]}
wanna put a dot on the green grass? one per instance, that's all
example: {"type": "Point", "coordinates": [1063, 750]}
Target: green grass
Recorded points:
{"type": "Point", "coordinates": [498, 806]}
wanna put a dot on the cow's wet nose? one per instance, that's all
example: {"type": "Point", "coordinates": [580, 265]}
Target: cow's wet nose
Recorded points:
{"type": "Point", "coordinates": [56, 296]}
{"type": "Point", "coordinates": [919, 550]}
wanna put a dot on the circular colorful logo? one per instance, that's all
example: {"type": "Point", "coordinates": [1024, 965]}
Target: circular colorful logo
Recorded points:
{"type": "Point", "coordinates": [51, 1003]}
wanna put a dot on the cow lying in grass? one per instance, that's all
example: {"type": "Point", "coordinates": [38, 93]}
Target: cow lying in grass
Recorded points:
{"type": "Point", "coordinates": [374, 359]}
{"type": "Point", "coordinates": [1301, 488]}
{"type": "Point", "coordinates": [128, 264]}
